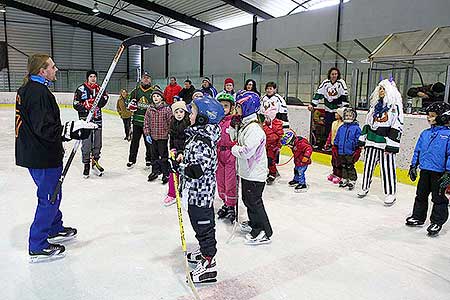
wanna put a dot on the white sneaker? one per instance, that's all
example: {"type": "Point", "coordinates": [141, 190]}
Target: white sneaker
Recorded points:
{"type": "Point", "coordinates": [389, 200]}
{"type": "Point", "coordinates": [362, 193]}
{"type": "Point", "coordinates": [245, 227]}
{"type": "Point", "coordinates": [260, 239]}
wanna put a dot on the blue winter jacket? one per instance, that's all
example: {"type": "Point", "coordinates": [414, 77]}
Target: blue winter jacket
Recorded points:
{"type": "Point", "coordinates": [432, 150]}
{"type": "Point", "coordinates": [347, 137]}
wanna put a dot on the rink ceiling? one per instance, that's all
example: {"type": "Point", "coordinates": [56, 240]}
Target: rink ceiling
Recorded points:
{"type": "Point", "coordinates": [327, 244]}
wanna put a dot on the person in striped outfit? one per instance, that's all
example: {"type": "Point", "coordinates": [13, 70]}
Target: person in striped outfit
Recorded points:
{"type": "Point", "coordinates": [380, 137]}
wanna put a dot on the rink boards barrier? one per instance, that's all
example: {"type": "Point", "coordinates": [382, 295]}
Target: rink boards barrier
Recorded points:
{"type": "Point", "coordinates": [299, 118]}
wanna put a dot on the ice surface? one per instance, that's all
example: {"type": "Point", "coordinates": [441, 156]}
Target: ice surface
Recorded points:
{"type": "Point", "coordinates": [327, 244]}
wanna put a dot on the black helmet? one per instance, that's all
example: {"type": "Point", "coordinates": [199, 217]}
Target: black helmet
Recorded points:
{"type": "Point", "coordinates": [441, 109]}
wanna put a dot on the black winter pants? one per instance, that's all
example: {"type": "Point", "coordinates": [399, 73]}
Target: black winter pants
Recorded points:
{"type": "Point", "coordinates": [348, 167]}
{"type": "Point", "coordinates": [160, 156]}
{"type": "Point", "coordinates": [428, 183]}
{"type": "Point", "coordinates": [252, 198]}
{"type": "Point", "coordinates": [138, 132]}
{"type": "Point", "coordinates": [126, 126]}
{"type": "Point", "coordinates": [203, 223]}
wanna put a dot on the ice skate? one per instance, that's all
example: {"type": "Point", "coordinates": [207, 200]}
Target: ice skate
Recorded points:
{"type": "Point", "coordinates": [65, 235]}
{"type": "Point", "coordinates": [231, 214]}
{"type": "Point", "coordinates": [343, 183]}
{"type": "Point", "coordinates": [245, 227]}
{"type": "Point", "coordinates": [413, 222]}
{"type": "Point", "coordinates": [205, 272]}
{"type": "Point", "coordinates": [389, 200]}
{"type": "Point", "coordinates": [362, 193]}
{"type": "Point", "coordinates": [165, 179]}
{"type": "Point", "coordinates": [152, 176]}
{"type": "Point", "coordinates": [97, 168]}
{"type": "Point", "coordinates": [433, 229]}
{"type": "Point", "coordinates": [222, 212]}
{"type": "Point", "coordinates": [350, 185]}
{"type": "Point", "coordinates": [260, 239]}
{"type": "Point", "coordinates": [52, 252]}
{"type": "Point", "coordinates": [301, 188]}
{"type": "Point", "coordinates": [293, 183]}
{"type": "Point", "coordinates": [270, 180]}
{"type": "Point", "coordinates": [168, 201]}
{"type": "Point", "coordinates": [130, 164]}
{"type": "Point", "coordinates": [336, 180]}
{"type": "Point", "coordinates": [147, 165]}
{"type": "Point", "coordinates": [194, 257]}
{"type": "Point", "coordinates": [86, 171]}
{"type": "Point", "coordinates": [330, 177]}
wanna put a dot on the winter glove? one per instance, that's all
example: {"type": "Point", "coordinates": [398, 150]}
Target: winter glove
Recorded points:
{"type": "Point", "coordinates": [444, 182]}
{"type": "Point", "coordinates": [148, 139]}
{"type": "Point", "coordinates": [235, 121]}
{"type": "Point", "coordinates": [305, 160]}
{"type": "Point", "coordinates": [132, 106]}
{"type": "Point", "coordinates": [356, 155]}
{"type": "Point", "coordinates": [412, 173]}
{"type": "Point", "coordinates": [78, 130]}
{"type": "Point", "coordinates": [88, 103]}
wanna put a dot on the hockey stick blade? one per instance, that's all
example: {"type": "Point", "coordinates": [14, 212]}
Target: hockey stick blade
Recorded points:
{"type": "Point", "coordinates": [145, 40]}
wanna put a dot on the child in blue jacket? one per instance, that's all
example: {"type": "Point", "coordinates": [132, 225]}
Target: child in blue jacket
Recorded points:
{"type": "Point", "coordinates": [432, 155]}
{"type": "Point", "coordinates": [346, 141]}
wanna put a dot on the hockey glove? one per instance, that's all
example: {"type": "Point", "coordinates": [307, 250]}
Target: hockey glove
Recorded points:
{"type": "Point", "coordinates": [132, 106]}
{"type": "Point", "coordinates": [412, 173]}
{"type": "Point", "coordinates": [148, 139]}
{"type": "Point", "coordinates": [444, 182]}
{"type": "Point", "coordinates": [78, 130]}
{"type": "Point", "coordinates": [236, 121]}
{"type": "Point", "coordinates": [88, 103]}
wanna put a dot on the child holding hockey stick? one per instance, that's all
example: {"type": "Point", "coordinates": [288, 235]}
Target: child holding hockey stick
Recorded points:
{"type": "Point", "coordinates": [273, 128]}
{"type": "Point", "coordinates": [198, 177]}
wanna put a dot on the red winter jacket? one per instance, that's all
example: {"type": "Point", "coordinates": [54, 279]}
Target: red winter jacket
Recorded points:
{"type": "Point", "coordinates": [273, 132]}
{"type": "Point", "coordinates": [302, 152]}
{"type": "Point", "coordinates": [170, 91]}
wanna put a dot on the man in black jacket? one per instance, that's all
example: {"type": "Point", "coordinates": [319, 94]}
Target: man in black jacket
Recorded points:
{"type": "Point", "coordinates": [82, 102]}
{"type": "Point", "coordinates": [38, 146]}
{"type": "Point", "coordinates": [186, 93]}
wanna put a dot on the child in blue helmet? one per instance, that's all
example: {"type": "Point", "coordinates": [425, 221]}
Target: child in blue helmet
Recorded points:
{"type": "Point", "coordinates": [250, 152]}
{"type": "Point", "coordinates": [432, 156]}
{"type": "Point", "coordinates": [198, 177]}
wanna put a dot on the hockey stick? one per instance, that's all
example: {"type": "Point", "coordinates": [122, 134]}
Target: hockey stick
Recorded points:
{"type": "Point", "coordinates": [143, 40]}
{"type": "Point", "coordinates": [183, 240]}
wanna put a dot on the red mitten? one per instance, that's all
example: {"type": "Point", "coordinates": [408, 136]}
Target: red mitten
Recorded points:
{"type": "Point", "coordinates": [356, 155]}
{"type": "Point", "coordinates": [88, 103]}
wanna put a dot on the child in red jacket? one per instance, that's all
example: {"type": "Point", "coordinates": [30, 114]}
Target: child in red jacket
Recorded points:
{"type": "Point", "coordinates": [273, 128]}
{"type": "Point", "coordinates": [302, 150]}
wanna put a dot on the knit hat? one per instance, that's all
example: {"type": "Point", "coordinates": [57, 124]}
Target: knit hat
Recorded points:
{"type": "Point", "coordinates": [228, 80]}
{"type": "Point", "coordinates": [146, 73]}
{"type": "Point", "coordinates": [340, 111]}
{"type": "Point", "coordinates": [158, 92]}
{"type": "Point", "coordinates": [90, 72]}
{"type": "Point", "coordinates": [177, 105]}
{"type": "Point", "coordinates": [206, 79]}
{"type": "Point", "coordinates": [197, 92]}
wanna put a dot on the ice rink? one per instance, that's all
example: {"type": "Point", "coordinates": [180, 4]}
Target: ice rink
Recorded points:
{"type": "Point", "coordinates": [327, 243]}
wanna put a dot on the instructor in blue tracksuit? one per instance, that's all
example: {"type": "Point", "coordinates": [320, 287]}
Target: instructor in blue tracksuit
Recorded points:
{"type": "Point", "coordinates": [39, 136]}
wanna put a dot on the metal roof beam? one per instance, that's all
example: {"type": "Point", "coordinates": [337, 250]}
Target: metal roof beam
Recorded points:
{"type": "Point", "coordinates": [63, 19]}
{"type": "Point", "coordinates": [244, 6]}
{"type": "Point", "coordinates": [115, 19]}
{"type": "Point", "coordinates": [151, 6]}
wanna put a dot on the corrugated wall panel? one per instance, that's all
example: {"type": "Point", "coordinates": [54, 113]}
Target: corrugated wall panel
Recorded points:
{"type": "Point", "coordinates": [135, 61]}
{"type": "Point", "coordinates": [104, 50]}
{"type": "Point", "coordinates": [72, 47]}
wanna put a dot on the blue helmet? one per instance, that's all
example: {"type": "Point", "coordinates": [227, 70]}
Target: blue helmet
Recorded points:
{"type": "Point", "coordinates": [249, 102]}
{"type": "Point", "coordinates": [210, 111]}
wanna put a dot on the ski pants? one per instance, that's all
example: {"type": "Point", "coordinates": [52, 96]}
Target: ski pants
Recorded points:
{"type": "Point", "coordinates": [348, 167]}
{"type": "Point", "coordinates": [335, 162]}
{"type": "Point", "coordinates": [373, 156]}
{"type": "Point", "coordinates": [203, 223]}
{"type": "Point", "coordinates": [48, 217]}
{"type": "Point", "coordinates": [428, 183]}
{"type": "Point", "coordinates": [252, 198]}
{"type": "Point", "coordinates": [172, 191]}
{"type": "Point", "coordinates": [92, 146]}
{"type": "Point", "coordinates": [272, 159]}
{"type": "Point", "coordinates": [226, 175]}
{"type": "Point", "coordinates": [138, 132]}
{"type": "Point", "coordinates": [299, 174]}
{"type": "Point", "coordinates": [160, 157]}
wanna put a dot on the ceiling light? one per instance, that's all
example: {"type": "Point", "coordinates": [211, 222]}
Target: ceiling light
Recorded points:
{"type": "Point", "coordinates": [95, 9]}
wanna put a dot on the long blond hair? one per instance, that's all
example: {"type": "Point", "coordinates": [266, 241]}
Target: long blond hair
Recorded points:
{"type": "Point", "coordinates": [34, 65]}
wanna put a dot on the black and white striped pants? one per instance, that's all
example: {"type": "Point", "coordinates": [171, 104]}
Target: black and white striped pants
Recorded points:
{"type": "Point", "coordinates": [373, 156]}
